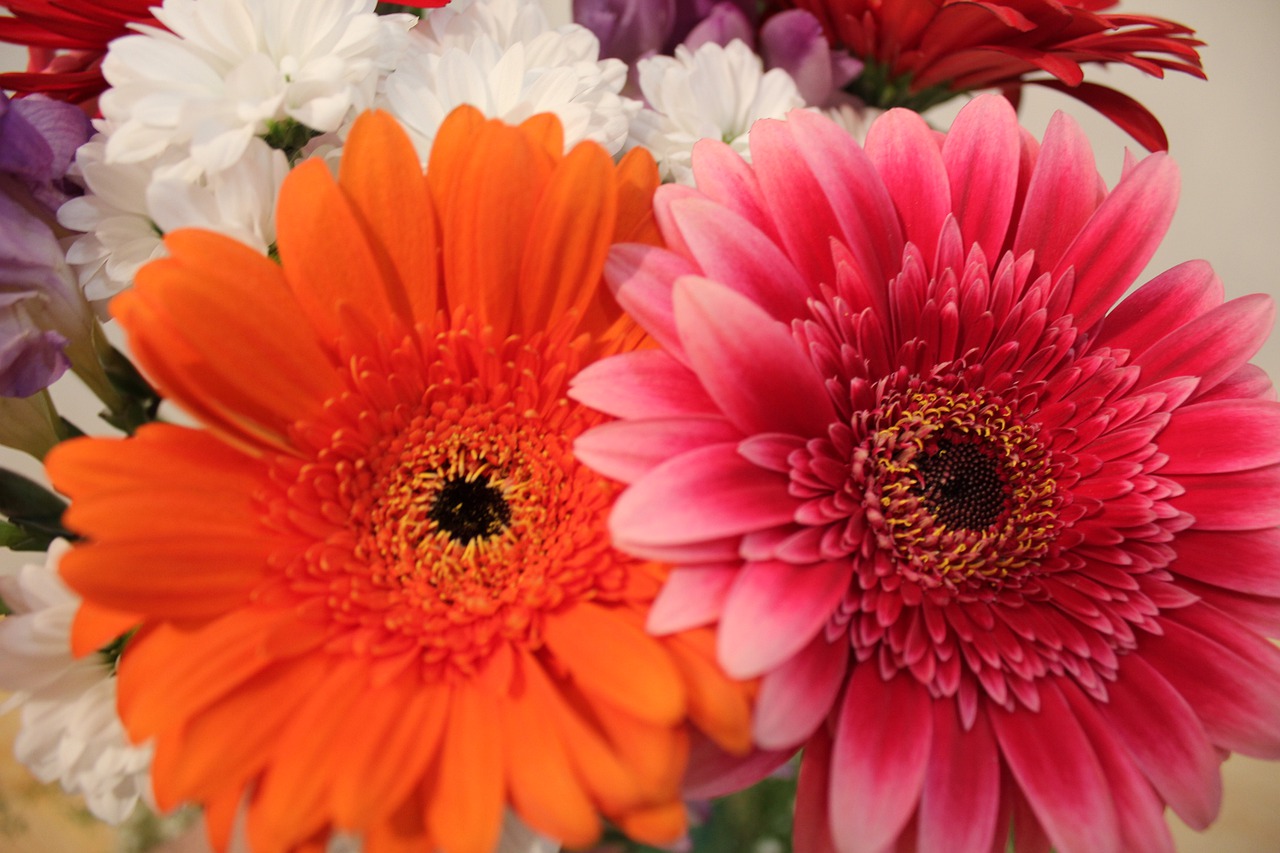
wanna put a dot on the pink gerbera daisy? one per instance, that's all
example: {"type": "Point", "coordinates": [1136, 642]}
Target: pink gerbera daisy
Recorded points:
{"type": "Point", "coordinates": [1004, 552]}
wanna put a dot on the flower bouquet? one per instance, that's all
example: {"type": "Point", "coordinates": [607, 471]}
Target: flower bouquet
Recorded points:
{"type": "Point", "coordinates": [645, 425]}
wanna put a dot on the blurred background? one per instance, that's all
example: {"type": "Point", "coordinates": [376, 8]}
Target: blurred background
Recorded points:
{"type": "Point", "coordinates": [1225, 136]}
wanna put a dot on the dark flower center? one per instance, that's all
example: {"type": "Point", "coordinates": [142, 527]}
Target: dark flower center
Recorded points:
{"type": "Point", "coordinates": [468, 509]}
{"type": "Point", "coordinates": [962, 485]}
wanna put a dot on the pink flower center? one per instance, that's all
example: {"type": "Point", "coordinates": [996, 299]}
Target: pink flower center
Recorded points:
{"type": "Point", "coordinates": [963, 487]}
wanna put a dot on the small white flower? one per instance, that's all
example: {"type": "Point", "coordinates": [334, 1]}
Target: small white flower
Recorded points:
{"type": "Point", "coordinates": [712, 93]}
{"type": "Point", "coordinates": [227, 71]}
{"type": "Point", "coordinates": [128, 207]}
{"type": "Point", "coordinates": [70, 729]}
{"type": "Point", "coordinates": [504, 58]}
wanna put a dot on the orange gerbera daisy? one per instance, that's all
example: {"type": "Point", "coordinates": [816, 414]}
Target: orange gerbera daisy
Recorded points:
{"type": "Point", "coordinates": [376, 593]}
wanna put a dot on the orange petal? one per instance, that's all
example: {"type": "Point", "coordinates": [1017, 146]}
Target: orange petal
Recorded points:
{"type": "Point", "coordinates": [464, 806]}
{"type": "Point", "coordinates": [614, 786]}
{"type": "Point", "coordinates": [718, 705]}
{"type": "Point", "coordinates": [229, 742]}
{"type": "Point", "coordinates": [147, 515]}
{"type": "Point", "coordinates": [96, 626]}
{"type": "Point", "coordinates": [568, 238]}
{"type": "Point", "coordinates": [610, 656]}
{"type": "Point", "coordinates": [486, 218]}
{"type": "Point", "coordinates": [451, 148]}
{"type": "Point", "coordinates": [656, 754]}
{"type": "Point", "coordinates": [545, 129]}
{"type": "Point", "coordinates": [545, 790]}
{"type": "Point", "coordinates": [637, 179]}
{"type": "Point", "coordinates": [189, 578]}
{"type": "Point", "coordinates": [381, 176]}
{"type": "Point", "coordinates": [291, 801]}
{"type": "Point", "coordinates": [183, 311]}
{"type": "Point", "coordinates": [328, 259]}
{"type": "Point", "coordinates": [655, 825]}
{"type": "Point", "coordinates": [405, 720]}
{"type": "Point", "coordinates": [168, 675]}
{"type": "Point", "coordinates": [168, 454]}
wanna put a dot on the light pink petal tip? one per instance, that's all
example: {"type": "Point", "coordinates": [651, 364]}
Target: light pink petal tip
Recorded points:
{"type": "Point", "coordinates": [703, 495]}
{"type": "Point", "coordinates": [749, 362]}
{"type": "Point", "coordinates": [774, 610]}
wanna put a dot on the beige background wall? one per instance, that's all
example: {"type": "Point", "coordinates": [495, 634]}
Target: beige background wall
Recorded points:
{"type": "Point", "coordinates": [1224, 136]}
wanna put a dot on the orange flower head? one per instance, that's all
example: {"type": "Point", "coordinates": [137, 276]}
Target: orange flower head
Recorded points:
{"type": "Point", "coordinates": [375, 590]}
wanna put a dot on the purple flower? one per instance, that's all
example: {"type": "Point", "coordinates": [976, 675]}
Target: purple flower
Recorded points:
{"type": "Point", "coordinates": [793, 40]}
{"type": "Point", "coordinates": [45, 324]}
{"type": "Point", "coordinates": [38, 141]}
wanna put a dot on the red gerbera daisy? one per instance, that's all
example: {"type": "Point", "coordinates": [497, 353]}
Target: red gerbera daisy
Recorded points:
{"type": "Point", "coordinates": [921, 52]}
{"type": "Point", "coordinates": [1005, 555]}
{"type": "Point", "coordinates": [376, 593]}
{"type": "Point", "coordinates": [67, 41]}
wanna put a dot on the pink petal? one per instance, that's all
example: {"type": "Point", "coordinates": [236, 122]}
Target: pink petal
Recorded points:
{"type": "Point", "coordinates": [712, 772]}
{"type": "Point", "coordinates": [1247, 382]}
{"type": "Point", "coordinates": [1235, 695]}
{"type": "Point", "coordinates": [1166, 740]}
{"type": "Point", "coordinates": [724, 177]}
{"type": "Point", "coordinates": [774, 609]}
{"type": "Point", "coordinates": [1139, 812]}
{"type": "Point", "coordinates": [732, 251]}
{"type": "Point", "coordinates": [1064, 191]}
{"type": "Point", "coordinates": [882, 741]}
{"type": "Point", "coordinates": [981, 154]}
{"type": "Point", "coordinates": [797, 204]}
{"type": "Point", "coordinates": [1221, 436]}
{"type": "Point", "coordinates": [1054, 764]}
{"type": "Point", "coordinates": [906, 154]}
{"type": "Point", "coordinates": [866, 221]}
{"type": "Point", "coordinates": [641, 278]}
{"type": "Point", "coordinates": [1120, 238]}
{"type": "Point", "coordinates": [749, 362]}
{"type": "Point", "coordinates": [690, 598]}
{"type": "Point", "coordinates": [796, 697]}
{"type": "Point", "coordinates": [642, 384]}
{"type": "Point", "coordinates": [1212, 346]}
{"type": "Point", "coordinates": [1169, 301]}
{"type": "Point", "coordinates": [1262, 615]}
{"type": "Point", "coordinates": [1242, 500]}
{"type": "Point", "coordinates": [706, 494]}
{"type": "Point", "coordinates": [811, 831]}
{"type": "Point", "coordinates": [627, 450]}
{"type": "Point", "coordinates": [961, 796]}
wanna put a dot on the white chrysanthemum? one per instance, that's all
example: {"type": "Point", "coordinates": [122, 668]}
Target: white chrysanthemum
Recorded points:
{"type": "Point", "coordinates": [70, 729]}
{"type": "Point", "coordinates": [127, 207]}
{"type": "Point", "coordinates": [504, 58]}
{"type": "Point", "coordinates": [714, 92]}
{"type": "Point", "coordinates": [230, 70]}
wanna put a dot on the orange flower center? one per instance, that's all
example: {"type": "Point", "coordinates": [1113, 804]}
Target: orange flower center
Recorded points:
{"type": "Point", "coordinates": [450, 509]}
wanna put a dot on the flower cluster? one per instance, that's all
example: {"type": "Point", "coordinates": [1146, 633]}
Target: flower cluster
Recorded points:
{"type": "Point", "coordinates": [472, 490]}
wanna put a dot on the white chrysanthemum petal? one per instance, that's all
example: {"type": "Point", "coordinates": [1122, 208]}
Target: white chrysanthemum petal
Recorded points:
{"type": "Point", "coordinates": [227, 70]}
{"type": "Point", "coordinates": [71, 732]}
{"type": "Point", "coordinates": [129, 206]}
{"type": "Point", "coordinates": [712, 93]}
{"type": "Point", "coordinates": [503, 58]}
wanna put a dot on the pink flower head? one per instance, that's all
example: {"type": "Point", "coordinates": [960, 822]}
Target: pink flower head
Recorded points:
{"type": "Point", "coordinates": [1003, 551]}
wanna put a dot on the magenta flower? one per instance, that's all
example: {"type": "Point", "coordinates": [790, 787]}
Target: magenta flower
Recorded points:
{"type": "Point", "coordinates": [1003, 551]}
